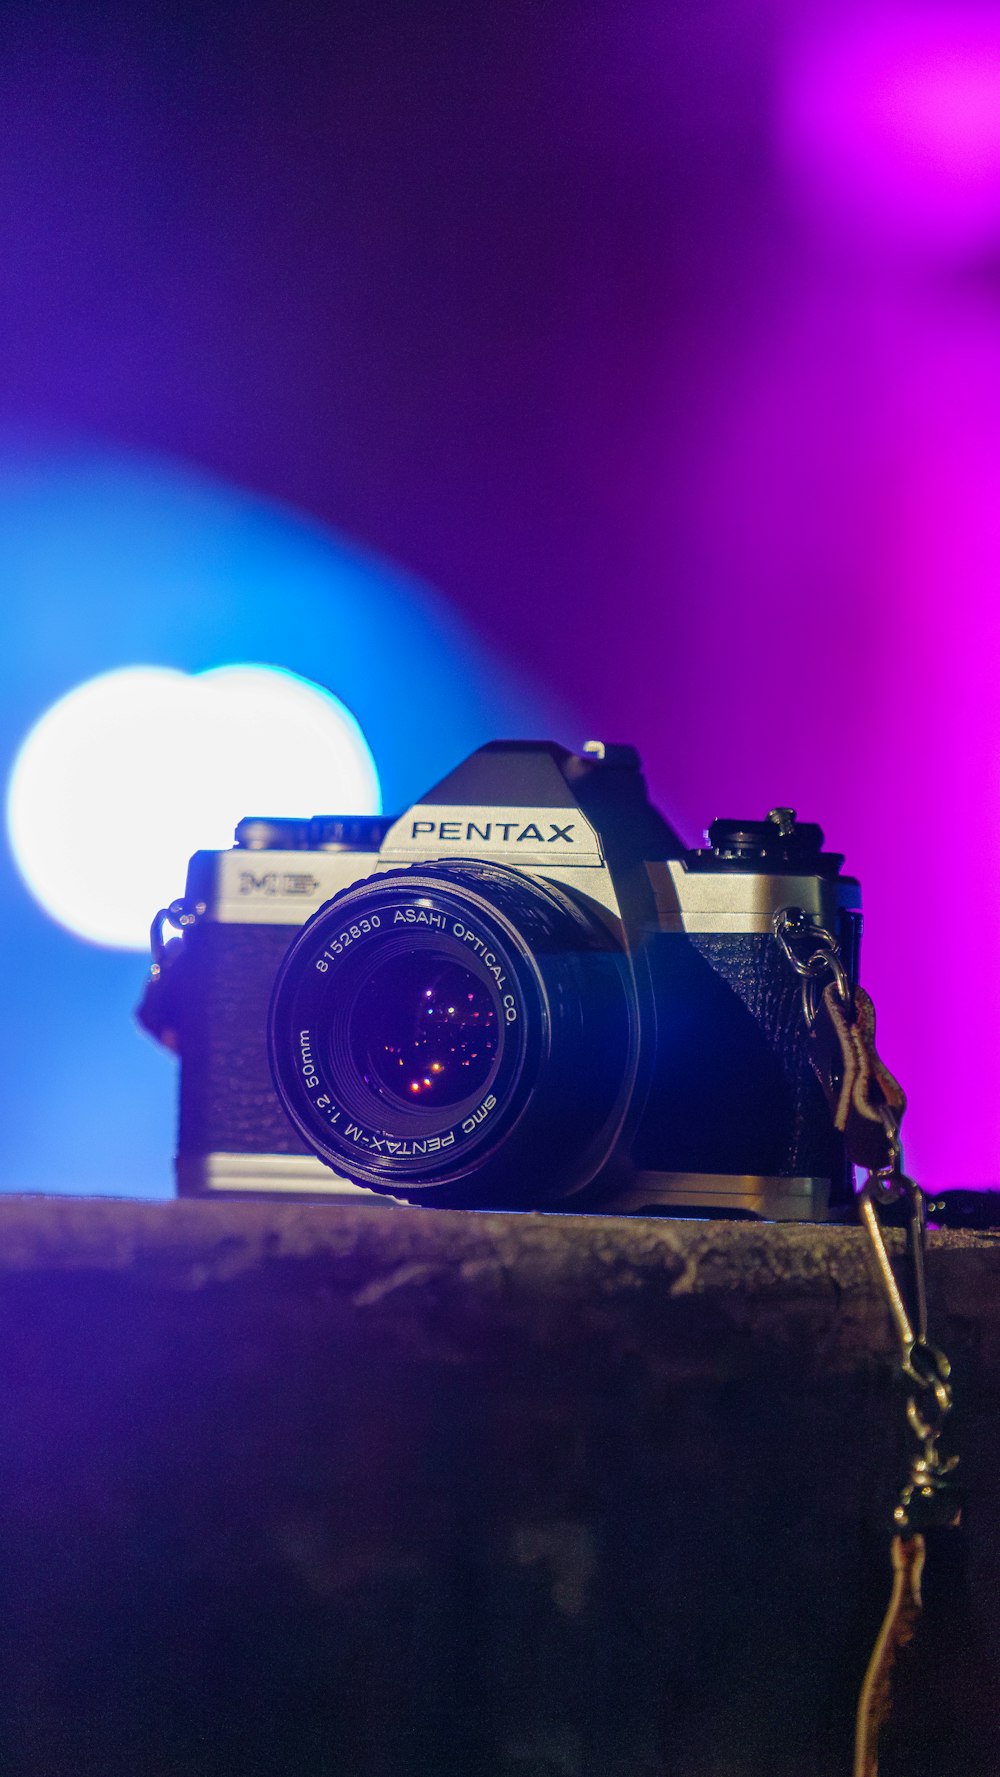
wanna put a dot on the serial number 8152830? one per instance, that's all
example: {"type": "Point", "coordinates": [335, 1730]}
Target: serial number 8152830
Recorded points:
{"type": "Point", "coordinates": [339, 944]}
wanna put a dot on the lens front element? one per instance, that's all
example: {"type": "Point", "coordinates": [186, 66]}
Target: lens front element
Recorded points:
{"type": "Point", "coordinates": [425, 1031]}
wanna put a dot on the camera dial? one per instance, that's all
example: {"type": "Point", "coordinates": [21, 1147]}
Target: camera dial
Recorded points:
{"type": "Point", "coordinates": [780, 844]}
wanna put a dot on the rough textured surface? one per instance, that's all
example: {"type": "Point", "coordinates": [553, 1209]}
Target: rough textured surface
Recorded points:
{"type": "Point", "coordinates": [363, 1492]}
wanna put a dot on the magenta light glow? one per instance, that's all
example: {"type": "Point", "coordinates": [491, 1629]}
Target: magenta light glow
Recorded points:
{"type": "Point", "coordinates": [849, 649]}
{"type": "Point", "coordinates": [836, 511]}
{"type": "Point", "coordinates": [892, 117]}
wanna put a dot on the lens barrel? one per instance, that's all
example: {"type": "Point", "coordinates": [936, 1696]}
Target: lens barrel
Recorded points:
{"type": "Point", "coordinates": [456, 1033]}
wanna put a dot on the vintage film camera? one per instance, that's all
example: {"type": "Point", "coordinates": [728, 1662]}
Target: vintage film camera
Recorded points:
{"type": "Point", "coordinates": [523, 993]}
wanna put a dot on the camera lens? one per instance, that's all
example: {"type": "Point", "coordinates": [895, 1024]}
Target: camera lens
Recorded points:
{"type": "Point", "coordinates": [424, 1032]}
{"type": "Point", "coordinates": [456, 1033]}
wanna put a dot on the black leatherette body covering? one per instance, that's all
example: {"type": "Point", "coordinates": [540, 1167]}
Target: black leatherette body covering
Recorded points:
{"type": "Point", "coordinates": [228, 1102]}
{"type": "Point", "coordinates": [733, 1091]}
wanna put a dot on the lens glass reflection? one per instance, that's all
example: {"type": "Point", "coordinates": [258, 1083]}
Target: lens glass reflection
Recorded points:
{"type": "Point", "coordinates": [424, 1031]}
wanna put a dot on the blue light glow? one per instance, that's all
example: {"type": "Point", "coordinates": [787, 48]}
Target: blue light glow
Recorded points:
{"type": "Point", "coordinates": [108, 560]}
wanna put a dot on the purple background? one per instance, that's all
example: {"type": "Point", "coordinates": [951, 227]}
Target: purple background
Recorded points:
{"type": "Point", "coordinates": [664, 340]}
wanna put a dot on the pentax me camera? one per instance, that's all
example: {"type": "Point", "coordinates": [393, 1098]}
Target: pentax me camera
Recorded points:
{"type": "Point", "coordinates": [523, 993]}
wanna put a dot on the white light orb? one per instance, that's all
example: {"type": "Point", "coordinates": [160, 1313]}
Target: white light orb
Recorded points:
{"type": "Point", "coordinates": [121, 780]}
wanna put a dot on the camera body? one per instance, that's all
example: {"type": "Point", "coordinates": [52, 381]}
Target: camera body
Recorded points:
{"type": "Point", "coordinates": [524, 992]}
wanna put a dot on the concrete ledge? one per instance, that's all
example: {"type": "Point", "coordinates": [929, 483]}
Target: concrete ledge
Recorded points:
{"type": "Point", "coordinates": [358, 1492]}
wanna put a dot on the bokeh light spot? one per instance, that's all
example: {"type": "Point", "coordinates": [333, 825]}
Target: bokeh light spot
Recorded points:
{"type": "Point", "coordinates": [891, 117]}
{"type": "Point", "coordinates": [123, 778]}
